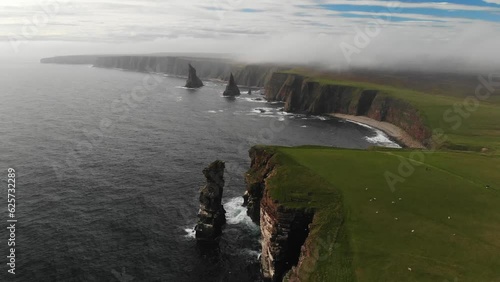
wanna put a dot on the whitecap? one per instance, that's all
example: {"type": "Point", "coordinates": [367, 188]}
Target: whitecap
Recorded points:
{"type": "Point", "coordinates": [263, 110]}
{"type": "Point", "coordinates": [255, 100]}
{"type": "Point", "coordinates": [236, 213]}
{"type": "Point", "coordinates": [191, 234]}
{"type": "Point", "coordinates": [252, 253]}
{"type": "Point", "coordinates": [382, 139]}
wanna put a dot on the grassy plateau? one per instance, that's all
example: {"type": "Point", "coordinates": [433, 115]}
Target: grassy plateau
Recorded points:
{"type": "Point", "coordinates": [441, 224]}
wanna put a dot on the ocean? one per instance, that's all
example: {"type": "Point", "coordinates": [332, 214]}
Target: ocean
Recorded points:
{"type": "Point", "coordinates": [109, 166]}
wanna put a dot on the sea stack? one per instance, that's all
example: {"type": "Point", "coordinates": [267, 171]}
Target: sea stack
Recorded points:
{"type": "Point", "coordinates": [212, 215]}
{"type": "Point", "coordinates": [231, 88]}
{"type": "Point", "coordinates": [193, 81]}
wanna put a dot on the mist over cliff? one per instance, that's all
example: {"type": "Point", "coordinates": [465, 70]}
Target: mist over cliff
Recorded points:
{"type": "Point", "coordinates": [474, 51]}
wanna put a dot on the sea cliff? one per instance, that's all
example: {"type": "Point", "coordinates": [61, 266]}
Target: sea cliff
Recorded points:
{"type": "Point", "coordinates": [306, 95]}
{"type": "Point", "coordinates": [284, 228]}
{"type": "Point", "coordinates": [255, 75]}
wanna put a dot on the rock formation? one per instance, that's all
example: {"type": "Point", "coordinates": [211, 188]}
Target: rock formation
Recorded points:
{"type": "Point", "coordinates": [305, 96]}
{"type": "Point", "coordinates": [256, 75]}
{"type": "Point", "coordinates": [283, 230]}
{"type": "Point", "coordinates": [193, 81]}
{"type": "Point", "coordinates": [211, 216]}
{"type": "Point", "coordinates": [231, 88]}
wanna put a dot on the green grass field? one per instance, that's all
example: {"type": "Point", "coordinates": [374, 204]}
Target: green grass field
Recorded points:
{"type": "Point", "coordinates": [466, 127]}
{"type": "Point", "coordinates": [441, 222]}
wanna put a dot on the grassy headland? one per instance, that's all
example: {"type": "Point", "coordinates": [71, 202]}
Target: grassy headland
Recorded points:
{"type": "Point", "coordinates": [469, 122]}
{"type": "Point", "coordinates": [440, 224]}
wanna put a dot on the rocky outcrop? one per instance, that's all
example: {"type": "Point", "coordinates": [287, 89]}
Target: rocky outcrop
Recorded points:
{"type": "Point", "coordinates": [193, 81]}
{"type": "Point", "coordinates": [231, 88]}
{"type": "Point", "coordinates": [283, 230]}
{"type": "Point", "coordinates": [304, 95]}
{"type": "Point", "coordinates": [211, 216]}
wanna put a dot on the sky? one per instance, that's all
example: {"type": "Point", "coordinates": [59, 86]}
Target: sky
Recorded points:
{"type": "Point", "coordinates": [455, 35]}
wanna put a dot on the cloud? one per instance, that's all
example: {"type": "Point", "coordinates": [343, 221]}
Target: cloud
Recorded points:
{"type": "Point", "coordinates": [429, 5]}
{"type": "Point", "coordinates": [299, 31]}
{"type": "Point", "coordinates": [492, 1]}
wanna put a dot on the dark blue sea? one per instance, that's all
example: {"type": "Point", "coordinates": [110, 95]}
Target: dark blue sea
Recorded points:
{"type": "Point", "coordinates": [109, 165]}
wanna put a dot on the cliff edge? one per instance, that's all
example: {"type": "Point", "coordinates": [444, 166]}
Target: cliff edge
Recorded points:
{"type": "Point", "coordinates": [284, 216]}
{"type": "Point", "coordinates": [302, 94]}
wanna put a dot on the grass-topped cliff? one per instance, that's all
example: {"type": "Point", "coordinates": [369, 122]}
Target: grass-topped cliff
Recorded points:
{"type": "Point", "coordinates": [466, 120]}
{"type": "Point", "coordinates": [440, 224]}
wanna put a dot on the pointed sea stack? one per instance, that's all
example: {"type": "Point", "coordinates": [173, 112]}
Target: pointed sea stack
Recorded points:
{"type": "Point", "coordinates": [231, 88]}
{"type": "Point", "coordinates": [193, 81]}
{"type": "Point", "coordinates": [212, 215]}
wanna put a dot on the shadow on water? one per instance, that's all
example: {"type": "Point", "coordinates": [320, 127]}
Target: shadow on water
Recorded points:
{"type": "Point", "coordinates": [222, 261]}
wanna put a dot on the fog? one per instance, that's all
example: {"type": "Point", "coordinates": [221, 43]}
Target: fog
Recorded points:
{"type": "Point", "coordinates": [323, 38]}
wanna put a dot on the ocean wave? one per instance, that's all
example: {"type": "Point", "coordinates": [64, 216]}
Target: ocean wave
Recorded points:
{"type": "Point", "coordinates": [252, 253]}
{"type": "Point", "coordinates": [255, 100]}
{"type": "Point", "coordinates": [236, 213]}
{"type": "Point", "coordinates": [190, 233]}
{"type": "Point", "coordinates": [382, 139]}
{"type": "Point", "coordinates": [263, 110]}
{"type": "Point", "coordinates": [311, 117]}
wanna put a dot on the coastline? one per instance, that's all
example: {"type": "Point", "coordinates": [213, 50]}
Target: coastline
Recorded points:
{"type": "Point", "coordinates": [390, 129]}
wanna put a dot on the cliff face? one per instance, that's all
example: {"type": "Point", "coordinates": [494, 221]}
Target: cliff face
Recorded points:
{"type": "Point", "coordinates": [74, 60]}
{"type": "Point", "coordinates": [260, 168]}
{"type": "Point", "coordinates": [177, 66]}
{"type": "Point", "coordinates": [302, 95]}
{"type": "Point", "coordinates": [283, 230]}
{"type": "Point", "coordinates": [255, 75]}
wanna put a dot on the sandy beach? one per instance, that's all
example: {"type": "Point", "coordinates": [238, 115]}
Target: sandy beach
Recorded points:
{"type": "Point", "coordinates": [388, 128]}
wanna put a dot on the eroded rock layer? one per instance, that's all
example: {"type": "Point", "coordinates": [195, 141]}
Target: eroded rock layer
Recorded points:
{"type": "Point", "coordinates": [283, 230]}
{"type": "Point", "coordinates": [303, 95]}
